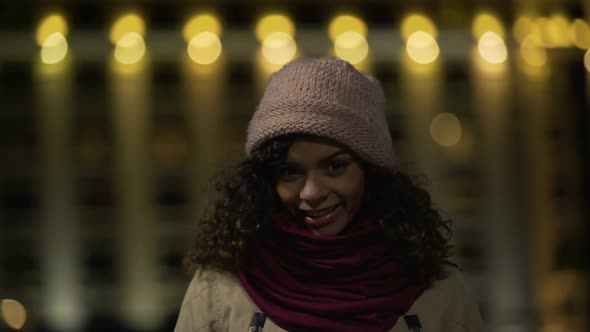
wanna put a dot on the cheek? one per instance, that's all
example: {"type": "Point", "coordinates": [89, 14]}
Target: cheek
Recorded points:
{"type": "Point", "coordinates": [287, 195]}
{"type": "Point", "coordinates": [355, 190]}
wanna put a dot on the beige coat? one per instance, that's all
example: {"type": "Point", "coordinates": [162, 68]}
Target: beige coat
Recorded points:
{"type": "Point", "coordinates": [217, 302]}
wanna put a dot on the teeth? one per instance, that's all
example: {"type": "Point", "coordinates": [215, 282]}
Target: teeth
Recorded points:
{"type": "Point", "coordinates": [321, 213]}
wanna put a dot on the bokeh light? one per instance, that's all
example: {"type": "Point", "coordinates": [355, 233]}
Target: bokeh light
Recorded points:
{"type": "Point", "coordinates": [54, 48]}
{"type": "Point", "coordinates": [492, 48]}
{"type": "Point", "coordinates": [266, 67]}
{"type": "Point", "coordinates": [13, 313]}
{"type": "Point", "coordinates": [558, 29]}
{"type": "Point", "coordinates": [422, 47]}
{"type": "Point", "coordinates": [587, 60]}
{"type": "Point", "coordinates": [419, 69]}
{"type": "Point", "coordinates": [554, 30]}
{"type": "Point", "coordinates": [204, 48]}
{"type": "Point", "coordinates": [201, 23]}
{"type": "Point", "coordinates": [541, 23]}
{"type": "Point", "coordinates": [352, 47]}
{"type": "Point", "coordinates": [445, 129]}
{"type": "Point", "coordinates": [346, 23]}
{"type": "Point", "coordinates": [523, 27]}
{"type": "Point", "coordinates": [130, 48]}
{"type": "Point", "coordinates": [533, 52]}
{"type": "Point", "coordinates": [274, 23]}
{"type": "Point", "coordinates": [486, 69]}
{"type": "Point", "coordinates": [416, 22]}
{"type": "Point", "coordinates": [485, 22]}
{"type": "Point", "coordinates": [579, 33]}
{"type": "Point", "coordinates": [125, 25]}
{"type": "Point", "coordinates": [279, 48]}
{"type": "Point", "coordinates": [50, 25]}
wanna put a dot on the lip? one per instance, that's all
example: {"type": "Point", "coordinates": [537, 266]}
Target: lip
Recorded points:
{"type": "Point", "coordinates": [324, 220]}
{"type": "Point", "coordinates": [326, 208]}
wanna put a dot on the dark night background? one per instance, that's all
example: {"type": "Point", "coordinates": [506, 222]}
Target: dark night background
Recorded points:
{"type": "Point", "coordinates": [104, 167]}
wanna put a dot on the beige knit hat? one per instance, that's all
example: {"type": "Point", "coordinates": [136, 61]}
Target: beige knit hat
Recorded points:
{"type": "Point", "coordinates": [325, 97]}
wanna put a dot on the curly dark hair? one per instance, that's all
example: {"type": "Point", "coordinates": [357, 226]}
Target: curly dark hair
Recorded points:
{"type": "Point", "coordinates": [248, 199]}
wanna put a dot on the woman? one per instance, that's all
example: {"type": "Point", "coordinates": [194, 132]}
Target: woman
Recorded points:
{"type": "Point", "coordinates": [317, 229]}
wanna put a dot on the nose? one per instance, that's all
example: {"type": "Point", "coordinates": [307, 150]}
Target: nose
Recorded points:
{"type": "Point", "coordinates": [313, 191]}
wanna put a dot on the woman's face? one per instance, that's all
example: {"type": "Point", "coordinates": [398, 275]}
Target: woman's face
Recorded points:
{"type": "Point", "coordinates": [321, 184]}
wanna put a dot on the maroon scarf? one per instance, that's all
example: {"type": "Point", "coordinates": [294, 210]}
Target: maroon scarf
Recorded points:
{"type": "Point", "coordinates": [307, 282]}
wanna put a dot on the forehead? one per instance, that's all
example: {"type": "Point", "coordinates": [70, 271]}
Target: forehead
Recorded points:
{"type": "Point", "coordinates": [312, 149]}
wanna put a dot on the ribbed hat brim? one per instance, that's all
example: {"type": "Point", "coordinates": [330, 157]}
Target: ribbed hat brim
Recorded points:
{"type": "Point", "coordinates": [319, 118]}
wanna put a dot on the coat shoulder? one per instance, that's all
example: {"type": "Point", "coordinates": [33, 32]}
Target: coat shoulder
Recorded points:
{"type": "Point", "coordinates": [446, 305]}
{"type": "Point", "coordinates": [201, 309]}
{"type": "Point", "coordinates": [215, 301]}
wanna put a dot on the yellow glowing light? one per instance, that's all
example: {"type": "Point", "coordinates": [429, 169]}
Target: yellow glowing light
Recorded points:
{"type": "Point", "coordinates": [445, 129]}
{"type": "Point", "coordinates": [133, 69]}
{"type": "Point", "coordinates": [204, 48]}
{"type": "Point", "coordinates": [554, 31]}
{"type": "Point", "coordinates": [587, 60]}
{"type": "Point", "coordinates": [346, 23]}
{"type": "Point", "coordinates": [126, 24]}
{"type": "Point", "coordinates": [492, 48]}
{"type": "Point", "coordinates": [13, 313]}
{"type": "Point", "coordinates": [579, 33]}
{"type": "Point", "coordinates": [525, 26]}
{"type": "Point", "coordinates": [130, 48]}
{"type": "Point", "coordinates": [352, 47]}
{"type": "Point", "coordinates": [201, 23]}
{"type": "Point", "coordinates": [487, 69]}
{"type": "Point", "coordinates": [422, 47]}
{"type": "Point", "coordinates": [542, 23]}
{"type": "Point", "coordinates": [533, 52]}
{"type": "Point", "coordinates": [485, 22]}
{"type": "Point", "coordinates": [279, 48]}
{"type": "Point", "coordinates": [54, 49]}
{"type": "Point", "coordinates": [266, 67]}
{"type": "Point", "coordinates": [559, 27]}
{"type": "Point", "coordinates": [416, 22]}
{"type": "Point", "coordinates": [274, 23]}
{"type": "Point", "coordinates": [50, 25]}
{"type": "Point", "coordinates": [418, 69]}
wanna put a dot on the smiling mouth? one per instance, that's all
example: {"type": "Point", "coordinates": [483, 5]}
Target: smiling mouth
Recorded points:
{"type": "Point", "coordinates": [319, 213]}
{"type": "Point", "coordinates": [326, 218]}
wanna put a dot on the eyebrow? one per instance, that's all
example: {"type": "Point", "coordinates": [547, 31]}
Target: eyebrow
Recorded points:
{"type": "Point", "coordinates": [325, 159]}
{"type": "Point", "coordinates": [337, 153]}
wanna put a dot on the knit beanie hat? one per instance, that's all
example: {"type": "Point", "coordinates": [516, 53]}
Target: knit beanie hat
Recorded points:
{"type": "Point", "coordinates": [325, 97]}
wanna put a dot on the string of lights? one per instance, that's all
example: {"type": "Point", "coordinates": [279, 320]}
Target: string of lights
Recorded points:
{"type": "Point", "coordinates": [348, 33]}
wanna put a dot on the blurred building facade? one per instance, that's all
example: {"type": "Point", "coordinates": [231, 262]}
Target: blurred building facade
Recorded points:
{"type": "Point", "coordinates": [105, 165]}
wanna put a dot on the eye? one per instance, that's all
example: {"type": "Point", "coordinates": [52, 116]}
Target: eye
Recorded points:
{"type": "Point", "coordinates": [337, 165]}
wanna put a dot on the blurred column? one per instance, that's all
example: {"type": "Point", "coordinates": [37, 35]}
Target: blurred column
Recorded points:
{"type": "Point", "coordinates": [263, 70]}
{"type": "Point", "coordinates": [556, 184]}
{"type": "Point", "coordinates": [535, 101]}
{"type": "Point", "coordinates": [134, 183]}
{"type": "Point", "coordinates": [205, 92]}
{"type": "Point", "coordinates": [504, 203]}
{"type": "Point", "coordinates": [59, 234]}
{"type": "Point", "coordinates": [421, 95]}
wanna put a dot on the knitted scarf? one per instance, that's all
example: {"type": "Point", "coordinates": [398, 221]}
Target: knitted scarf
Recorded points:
{"type": "Point", "coordinates": [307, 282]}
